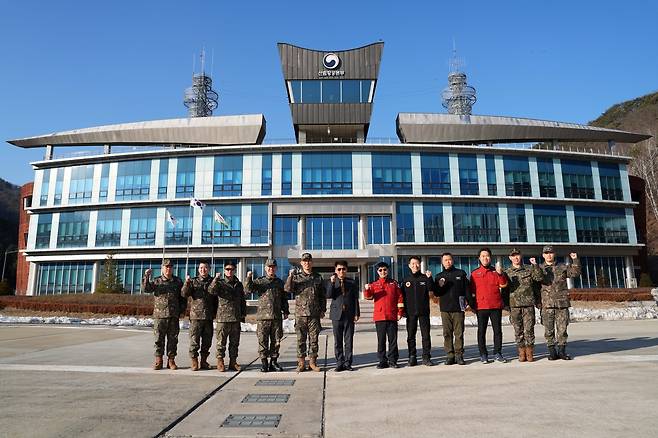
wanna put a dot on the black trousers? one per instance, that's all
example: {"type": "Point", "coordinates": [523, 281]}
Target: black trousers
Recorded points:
{"type": "Point", "coordinates": [483, 319]}
{"type": "Point", "coordinates": [387, 329]}
{"type": "Point", "coordinates": [412, 328]}
{"type": "Point", "coordinates": [343, 336]}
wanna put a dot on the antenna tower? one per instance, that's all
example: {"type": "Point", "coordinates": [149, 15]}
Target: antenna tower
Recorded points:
{"type": "Point", "coordinates": [458, 97]}
{"type": "Point", "coordinates": [200, 99]}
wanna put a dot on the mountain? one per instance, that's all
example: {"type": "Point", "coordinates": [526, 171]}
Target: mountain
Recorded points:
{"type": "Point", "coordinates": [9, 203]}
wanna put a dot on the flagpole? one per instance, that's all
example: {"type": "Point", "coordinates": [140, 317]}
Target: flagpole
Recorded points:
{"type": "Point", "coordinates": [212, 243]}
{"type": "Point", "coordinates": [189, 238]}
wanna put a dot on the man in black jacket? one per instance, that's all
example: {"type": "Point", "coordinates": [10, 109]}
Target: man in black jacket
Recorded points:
{"type": "Point", "coordinates": [452, 288]}
{"type": "Point", "coordinates": [344, 312]}
{"type": "Point", "coordinates": [416, 290]}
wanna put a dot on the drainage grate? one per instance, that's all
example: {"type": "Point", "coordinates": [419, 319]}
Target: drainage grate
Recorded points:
{"type": "Point", "coordinates": [278, 382]}
{"type": "Point", "coordinates": [266, 398]}
{"type": "Point", "coordinates": [254, 420]}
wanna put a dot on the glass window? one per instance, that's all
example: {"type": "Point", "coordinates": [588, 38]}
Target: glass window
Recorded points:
{"type": "Point", "coordinates": [59, 185]}
{"type": "Point", "coordinates": [551, 223]}
{"type": "Point", "coordinates": [296, 91]}
{"type": "Point", "coordinates": [391, 173]}
{"type": "Point", "coordinates": [228, 175]}
{"type": "Point", "coordinates": [379, 230]}
{"type": "Point", "coordinates": [490, 163]}
{"type": "Point", "coordinates": [330, 91]}
{"type": "Point", "coordinates": [266, 175]}
{"type": "Point", "coordinates": [285, 230]}
{"type": "Point", "coordinates": [332, 232]}
{"type": "Point", "coordinates": [185, 177]}
{"type": "Point", "coordinates": [404, 220]}
{"type": "Point", "coordinates": [133, 180]}
{"type": "Point", "coordinates": [64, 278]}
{"type": "Point", "coordinates": [142, 226]}
{"type": "Point", "coordinates": [311, 91]}
{"type": "Point", "coordinates": [105, 181]}
{"type": "Point", "coordinates": [108, 228]}
{"type": "Point", "coordinates": [577, 179]}
{"type": "Point", "coordinates": [286, 174]}
{"type": "Point", "coordinates": [45, 185]}
{"type": "Point", "coordinates": [601, 272]}
{"type": "Point", "coordinates": [73, 229]}
{"type": "Point", "coordinates": [517, 176]}
{"type": "Point", "coordinates": [546, 174]}
{"type": "Point", "coordinates": [601, 225]}
{"type": "Point", "coordinates": [365, 91]}
{"type": "Point", "coordinates": [181, 234]}
{"type": "Point", "coordinates": [475, 223]}
{"type": "Point", "coordinates": [468, 175]}
{"type": "Point", "coordinates": [352, 91]}
{"type": "Point", "coordinates": [82, 178]}
{"type": "Point", "coordinates": [259, 223]}
{"type": "Point", "coordinates": [433, 218]}
{"type": "Point", "coordinates": [517, 224]}
{"type": "Point", "coordinates": [44, 225]}
{"type": "Point", "coordinates": [435, 174]}
{"type": "Point", "coordinates": [326, 173]}
{"type": "Point", "coordinates": [163, 178]}
{"type": "Point", "coordinates": [610, 181]}
{"type": "Point", "coordinates": [221, 234]}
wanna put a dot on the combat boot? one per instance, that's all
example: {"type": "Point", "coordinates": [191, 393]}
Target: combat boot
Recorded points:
{"type": "Point", "coordinates": [171, 364]}
{"type": "Point", "coordinates": [530, 353]}
{"type": "Point", "coordinates": [204, 365]}
{"type": "Point", "coordinates": [552, 354]}
{"type": "Point", "coordinates": [562, 352]}
{"type": "Point", "coordinates": [300, 364]}
{"type": "Point", "coordinates": [274, 365]}
{"type": "Point", "coordinates": [460, 359]}
{"type": "Point", "coordinates": [233, 364]}
{"type": "Point", "coordinates": [220, 365]}
{"type": "Point", "coordinates": [313, 364]}
{"type": "Point", "coordinates": [195, 364]}
{"type": "Point", "coordinates": [158, 363]}
{"type": "Point", "coordinates": [265, 366]}
{"type": "Point", "coordinates": [522, 354]}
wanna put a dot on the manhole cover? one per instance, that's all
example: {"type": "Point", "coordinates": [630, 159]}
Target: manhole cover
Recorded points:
{"type": "Point", "coordinates": [278, 382]}
{"type": "Point", "coordinates": [253, 420]}
{"type": "Point", "coordinates": [266, 398]}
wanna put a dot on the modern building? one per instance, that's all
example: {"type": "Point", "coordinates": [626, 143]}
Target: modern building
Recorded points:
{"type": "Point", "coordinates": [453, 182]}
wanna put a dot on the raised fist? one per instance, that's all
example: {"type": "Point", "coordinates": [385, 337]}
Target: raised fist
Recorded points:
{"type": "Point", "coordinates": [367, 286]}
{"type": "Point", "coordinates": [249, 274]}
{"type": "Point", "coordinates": [333, 278]}
{"type": "Point", "coordinates": [291, 272]}
{"type": "Point", "coordinates": [533, 261]}
{"type": "Point", "coordinates": [442, 282]}
{"type": "Point", "coordinates": [429, 274]}
{"type": "Point", "coordinates": [499, 268]}
{"type": "Point", "coordinates": [188, 279]}
{"type": "Point", "coordinates": [148, 273]}
{"type": "Point", "coordinates": [218, 275]}
{"type": "Point", "coordinates": [573, 256]}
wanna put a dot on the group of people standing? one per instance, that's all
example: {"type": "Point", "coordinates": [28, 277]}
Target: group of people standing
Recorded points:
{"type": "Point", "coordinates": [519, 289]}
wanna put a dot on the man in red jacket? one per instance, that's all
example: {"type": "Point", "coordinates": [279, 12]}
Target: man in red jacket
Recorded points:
{"type": "Point", "coordinates": [389, 308]}
{"type": "Point", "coordinates": [485, 287]}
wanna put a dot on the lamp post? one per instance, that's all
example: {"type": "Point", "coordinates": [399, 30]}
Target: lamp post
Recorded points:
{"type": "Point", "coordinates": [4, 262]}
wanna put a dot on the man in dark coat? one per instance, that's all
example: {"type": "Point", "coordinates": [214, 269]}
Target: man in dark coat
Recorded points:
{"type": "Point", "coordinates": [344, 312]}
{"type": "Point", "coordinates": [416, 290]}
{"type": "Point", "coordinates": [452, 288]}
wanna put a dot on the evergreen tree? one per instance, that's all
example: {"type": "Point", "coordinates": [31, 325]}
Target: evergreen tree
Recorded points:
{"type": "Point", "coordinates": [109, 282]}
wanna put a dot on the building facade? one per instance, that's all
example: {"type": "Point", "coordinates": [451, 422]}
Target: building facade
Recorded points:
{"type": "Point", "coordinates": [451, 183]}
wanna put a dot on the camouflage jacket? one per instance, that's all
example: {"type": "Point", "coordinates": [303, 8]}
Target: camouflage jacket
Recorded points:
{"type": "Point", "coordinates": [309, 294]}
{"type": "Point", "coordinates": [272, 299]}
{"type": "Point", "coordinates": [167, 299]}
{"type": "Point", "coordinates": [554, 293]}
{"type": "Point", "coordinates": [523, 286]}
{"type": "Point", "coordinates": [204, 305]}
{"type": "Point", "coordinates": [232, 305]}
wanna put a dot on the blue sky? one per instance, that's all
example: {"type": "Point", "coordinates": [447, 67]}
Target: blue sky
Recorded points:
{"type": "Point", "coordinates": [75, 64]}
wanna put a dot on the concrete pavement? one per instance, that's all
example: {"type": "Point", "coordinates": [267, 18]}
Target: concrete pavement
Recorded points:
{"type": "Point", "coordinates": [81, 381]}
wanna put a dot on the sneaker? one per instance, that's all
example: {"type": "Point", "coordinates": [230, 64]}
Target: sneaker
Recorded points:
{"type": "Point", "coordinates": [339, 368]}
{"type": "Point", "coordinates": [484, 358]}
{"type": "Point", "coordinates": [427, 362]}
{"type": "Point", "coordinates": [393, 365]}
{"type": "Point", "coordinates": [500, 358]}
{"type": "Point", "coordinates": [382, 365]}
{"type": "Point", "coordinates": [348, 367]}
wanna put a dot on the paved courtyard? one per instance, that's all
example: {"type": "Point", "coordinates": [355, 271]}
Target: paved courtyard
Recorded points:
{"type": "Point", "coordinates": [58, 381]}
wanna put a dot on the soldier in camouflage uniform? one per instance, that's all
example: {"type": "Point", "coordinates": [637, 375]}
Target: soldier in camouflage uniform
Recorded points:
{"type": "Point", "coordinates": [272, 303]}
{"type": "Point", "coordinates": [231, 310]}
{"type": "Point", "coordinates": [523, 297]}
{"type": "Point", "coordinates": [310, 305]}
{"type": "Point", "coordinates": [555, 300]}
{"type": "Point", "coordinates": [167, 308]}
{"type": "Point", "coordinates": [201, 316]}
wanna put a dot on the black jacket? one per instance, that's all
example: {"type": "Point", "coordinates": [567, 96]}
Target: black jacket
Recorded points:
{"type": "Point", "coordinates": [347, 304]}
{"type": "Point", "coordinates": [416, 290]}
{"type": "Point", "coordinates": [453, 291]}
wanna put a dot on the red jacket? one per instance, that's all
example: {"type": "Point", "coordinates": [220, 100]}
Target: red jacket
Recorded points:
{"type": "Point", "coordinates": [389, 303]}
{"type": "Point", "coordinates": [485, 286]}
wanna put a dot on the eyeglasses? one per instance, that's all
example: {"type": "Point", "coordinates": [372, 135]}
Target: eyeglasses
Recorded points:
{"type": "Point", "coordinates": [229, 269]}
{"type": "Point", "coordinates": [382, 270]}
{"type": "Point", "coordinates": [341, 269]}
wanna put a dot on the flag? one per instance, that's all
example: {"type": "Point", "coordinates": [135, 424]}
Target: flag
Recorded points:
{"type": "Point", "coordinates": [171, 219]}
{"type": "Point", "coordinates": [220, 219]}
{"type": "Point", "coordinates": [194, 202]}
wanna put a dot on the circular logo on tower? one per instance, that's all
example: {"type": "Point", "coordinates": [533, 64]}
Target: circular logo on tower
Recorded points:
{"type": "Point", "coordinates": [331, 61]}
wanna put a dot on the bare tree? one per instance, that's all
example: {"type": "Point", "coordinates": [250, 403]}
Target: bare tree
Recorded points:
{"type": "Point", "coordinates": [645, 166]}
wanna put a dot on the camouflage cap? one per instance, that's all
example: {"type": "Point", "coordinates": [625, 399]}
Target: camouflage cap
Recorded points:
{"type": "Point", "coordinates": [547, 248]}
{"type": "Point", "coordinates": [514, 251]}
{"type": "Point", "coordinates": [270, 262]}
{"type": "Point", "coordinates": [167, 262]}
{"type": "Point", "coordinates": [307, 256]}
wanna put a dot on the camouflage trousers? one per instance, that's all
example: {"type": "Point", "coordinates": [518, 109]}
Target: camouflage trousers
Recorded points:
{"type": "Point", "coordinates": [307, 327]}
{"type": "Point", "coordinates": [523, 321]}
{"type": "Point", "coordinates": [228, 331]}
{"type": "Point", "coordinates": [166, 328]}
{"type": "Point", "coordinates": [200, 333]}
{"type": "Point", "coordinates": [555, 319]}
{"type": "Point", "coordinates": [269, 333]}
